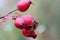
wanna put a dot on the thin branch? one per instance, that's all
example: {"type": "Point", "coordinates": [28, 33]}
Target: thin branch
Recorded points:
{"type": "Point", "coordinates": [9, 17]}
{"type": "Point", "coordinates": [5, 19]}
{"type": "Point", "coordinates": [8, 13]}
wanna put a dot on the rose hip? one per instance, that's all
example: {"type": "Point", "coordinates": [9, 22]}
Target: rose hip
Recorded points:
{"type": "Point", "coordinates": [19, 23]}
{"type": "Point", "coordinates": [23, 5]}
{"type": "Point", "coordinates": [28, 20]}
{"type": "Point", "coordinates": [28, 33]}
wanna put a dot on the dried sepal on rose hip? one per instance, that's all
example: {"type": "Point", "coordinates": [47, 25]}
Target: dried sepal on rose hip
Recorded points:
{"type": "Point", "coordinates": [23, 5]}
{"type": "Point", "coordinates": [35, 25]}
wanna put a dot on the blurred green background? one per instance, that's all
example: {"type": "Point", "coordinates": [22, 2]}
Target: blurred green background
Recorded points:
{"type": "Point", "coordinates": [46, 12]}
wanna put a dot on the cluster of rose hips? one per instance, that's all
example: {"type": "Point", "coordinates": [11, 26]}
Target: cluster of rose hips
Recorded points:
{"type": "Point", "coordinates": [26, 23]}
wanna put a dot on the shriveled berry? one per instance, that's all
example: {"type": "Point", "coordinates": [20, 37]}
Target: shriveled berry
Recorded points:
{"type": "Point", "coordinates": [23, 5]}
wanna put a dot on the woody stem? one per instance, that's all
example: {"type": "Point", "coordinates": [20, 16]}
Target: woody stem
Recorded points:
{"type": "Point", "coordinates": [8, 13]}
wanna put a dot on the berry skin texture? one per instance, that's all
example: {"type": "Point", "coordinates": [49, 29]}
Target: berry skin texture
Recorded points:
{"type": "Point", "coordinates": [19, 23]}
{"type": "Point", "coordinates": [28, 20]}
{"type": "Point", "coordinates": [28, 33]}
{"type": "Point", "coordinates": [23, 5]}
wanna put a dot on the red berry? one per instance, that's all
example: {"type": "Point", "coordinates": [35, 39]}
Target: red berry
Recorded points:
{"type": "Point", "coordinates": [24, 32]}
{"type": "Point", "coordinates": [28, 20]}
{"type": "Point", "coordinates": [28, 33]}
{"type": "Point", "coordinates": [23, 5]}
{"type": "Point", "coordinates": [19, 23]}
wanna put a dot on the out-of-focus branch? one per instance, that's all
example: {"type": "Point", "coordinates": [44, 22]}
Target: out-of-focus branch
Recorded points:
{"type": "Point", "coordinates": [5, 19]}
{"type": "Point", "coordinates": [8, 13]}
{"type": "Point", "coordinates": [9, 17]}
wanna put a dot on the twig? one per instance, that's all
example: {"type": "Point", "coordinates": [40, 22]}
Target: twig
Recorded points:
{"type": "Point", "coordinates": [8, 13]}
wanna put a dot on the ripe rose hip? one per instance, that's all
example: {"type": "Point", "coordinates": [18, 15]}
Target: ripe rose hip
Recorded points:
{"type": "Point", "coordinates": [28, 33]}
{"type": "Point", "coordinates": [23, 5]}
{"type": "Point", "coordinates": [28, 20]}
{"type": "Point", "coordinates": [19, 23]}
